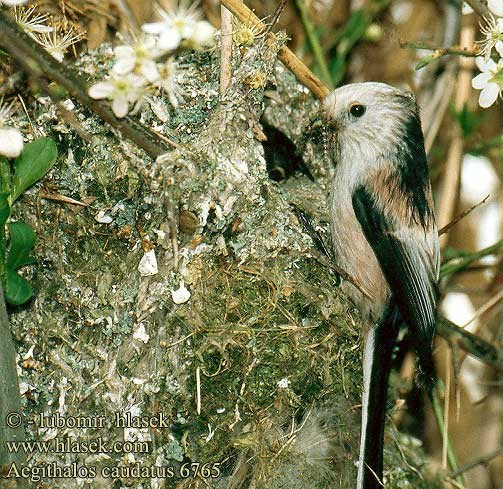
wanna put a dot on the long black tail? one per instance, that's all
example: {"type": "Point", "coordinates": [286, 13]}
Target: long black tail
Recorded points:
{"type": "Point", "coordinates": [376, 368]}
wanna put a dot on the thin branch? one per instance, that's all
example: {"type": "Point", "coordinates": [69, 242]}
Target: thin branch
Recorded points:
{"type": "Point", "coordinates": [285, 55]}
{"type": "Point", "coordinates": [439, 51]}
{"type": "Point", "coordinates": [485, 307]}
{"type": "Point", "coordinates": [39, 64]}
{"type": "Point", "coordinates": [480, 7]}
{"type": "Point", "coordinates": [483, 460]}
{"type": "Point", "coordinates": [276, 15]}
{"type": "Point", "coordinates": [461, 216]}
{"type": "Point", "coordinates": [471, 343]}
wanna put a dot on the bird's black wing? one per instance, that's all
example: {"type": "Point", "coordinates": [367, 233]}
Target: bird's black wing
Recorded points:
{"type": "Point", "coordinates": [408, 259]}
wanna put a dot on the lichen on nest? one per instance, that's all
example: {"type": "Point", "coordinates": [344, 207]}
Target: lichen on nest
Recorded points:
{"type": "Point", "coordinates": [256, 370]}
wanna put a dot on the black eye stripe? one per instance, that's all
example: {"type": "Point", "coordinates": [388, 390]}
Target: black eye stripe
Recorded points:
{"type": "Point", "coordinates": [357, 110]}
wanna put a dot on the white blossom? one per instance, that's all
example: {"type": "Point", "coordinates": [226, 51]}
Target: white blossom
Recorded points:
{"type": "Point", "coordinates": [31, 21]}
{"type": "Point", "coordinates": [12, 3]}
{"type": "Point", "coordinates": [496, 7]}
{"type": "Point", "coordinates": [11, 140]}
{"type": "Point", "coordinates": [490, 81]}
{"type": "Point", "coordinates": [493, 32]}
{"type": "Point", "coordinates": [139, 58]}
{"type": "Point", "coordinates": [123, 91]}
{"type": "Point", "coordinates": [203, 35]}
{"type": "Point", "coordinates": [181, 294]}
{"type": "Point", "coordinates": [176, 25]}
{"type": "Point", "coordinates": [168, 81]}
{"type": "Point", "coordinates": [57, 41]}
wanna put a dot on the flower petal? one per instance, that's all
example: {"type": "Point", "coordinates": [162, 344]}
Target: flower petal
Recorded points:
{"type": "Point", "coordinates": [169, 40]}
{"type": "Point", "coordinates": [496, 7]}
{"type": "Point", "coordinates": [123, 66]}
{"type": "Point", "coordinates": [11, 142]}
{"type": "Point", "coordinates": [204, 35]}
{"type": "Point", "coordinates": [187, 29]}
{"type": "Point", "coordinates": [124, 52]}
{"type": "Point", "coordinates": [499, 47]}
{"type": "Point", "coordinates": [13, 3]}
{"type": "Point", "coordinates": [149, 70]}
{"type": "Point", "coordinates": [120, 106]}
{"type": "Point", "coordinates": [480, 81]}
{"type": "Point", "coordinates": [153, 27]}
{"type": "Point", "coordinates": [40, 28]}
{"type": "Point", "coordinates": [484, 64]}
{"type": "Point", "coordinates": [101, 90]}
{"type": "Point", "coordinates": [489, 95]}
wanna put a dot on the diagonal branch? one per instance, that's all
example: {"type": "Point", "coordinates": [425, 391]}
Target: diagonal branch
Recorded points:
{"type": "Point", "coordinates": [471, 343]}
{"type": "Point", "coordinates": [36, 62]}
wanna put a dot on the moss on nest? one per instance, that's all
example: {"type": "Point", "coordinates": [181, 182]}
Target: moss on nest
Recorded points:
{"type": "Point", "coordinates": [265, 342]}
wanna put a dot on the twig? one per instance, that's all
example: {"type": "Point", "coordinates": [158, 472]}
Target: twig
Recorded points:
{"type": "Point", "coordinates": [483, 460]}
{"type": "Point", "coordinates": [471, 343]}
{"type": "Point", "coordinates": [479, 7]}
{"type": "Point", "coordinates": [285, 55]}
{"type": "Point", "coordinates": [314, 41]}
{"type": "Point", "coordinates": [226, 49]}
{"type": "Point", "coordinates": [461, 216]}
{"type": "Point", "coordinates": [451, 180]}
{"type": "Point", "coordinates": [39, 64]}
{"type": "Point", "coordinates": [61, 198]}
{"type": "Point", "coordinates": [276, 15]}
{"type": "Point", "coordinates": [439, 51]}
{"type": "Point", "coordinates": [485, 307]}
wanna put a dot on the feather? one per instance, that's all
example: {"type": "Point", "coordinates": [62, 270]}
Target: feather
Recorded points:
{"type": "Point", "coordinates": [408, 259]}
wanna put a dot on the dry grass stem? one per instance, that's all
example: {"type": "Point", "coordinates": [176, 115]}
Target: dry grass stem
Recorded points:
{"type": "Point", "coordinates": [452, 175]}
{"type": "Point", "coordinates": [226, 49]}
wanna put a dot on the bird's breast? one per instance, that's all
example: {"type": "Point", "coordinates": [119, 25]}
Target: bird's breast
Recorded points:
{"type": "Point", "coordinates": [354, 255]}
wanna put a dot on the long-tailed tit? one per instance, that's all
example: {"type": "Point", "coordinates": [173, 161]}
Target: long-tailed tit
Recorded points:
{"type": "Point", "coordinates": [384, 235]}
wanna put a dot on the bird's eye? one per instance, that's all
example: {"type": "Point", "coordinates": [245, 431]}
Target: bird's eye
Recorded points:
{"type": "Point", "coordinates": [357, 110]}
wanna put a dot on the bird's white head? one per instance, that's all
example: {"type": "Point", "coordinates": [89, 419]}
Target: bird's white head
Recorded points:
{"type": "Point", "coordinates": [369, 116]}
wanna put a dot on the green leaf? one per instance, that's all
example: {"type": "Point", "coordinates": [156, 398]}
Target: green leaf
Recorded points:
{"type": "Point", "coordinates": [5, 175]}
{"type": "Point", "coordinates": [4, 210]}
{"type": "Point", "coordinates": [32, 164]}
{"type": "Point", "coordinates": [22, 239]}
{"type": "Point", "coordinates": [424, 62]}
{"type": "Point", "coordinates": [17, 289]}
